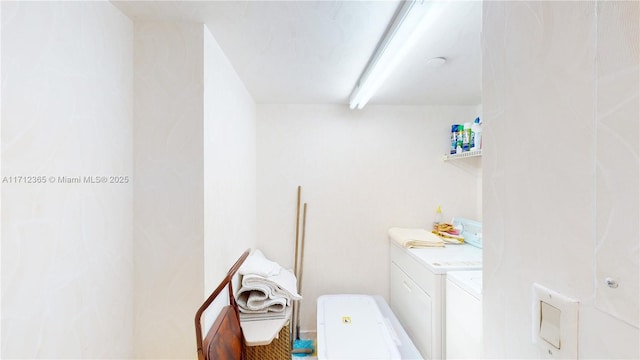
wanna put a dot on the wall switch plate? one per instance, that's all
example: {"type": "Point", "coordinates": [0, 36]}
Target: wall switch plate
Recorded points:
{"type": "Point", "coordinates": [550, 324]}
{"type": "Point", "coordinates": [555, 323]}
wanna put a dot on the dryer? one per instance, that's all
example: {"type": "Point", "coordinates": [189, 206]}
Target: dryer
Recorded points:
{"type": "Point", "coordinates": [464, 315]}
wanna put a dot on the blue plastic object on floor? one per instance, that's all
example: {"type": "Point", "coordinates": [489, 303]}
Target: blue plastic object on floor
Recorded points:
{"type": "Point", "coordinates": [303, 344]}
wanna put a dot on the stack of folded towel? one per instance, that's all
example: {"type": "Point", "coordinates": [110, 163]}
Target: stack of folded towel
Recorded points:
{"type": "Point", "coordinates": [266, 288]}
{"type": "Point", "coordinates": [415, 238]}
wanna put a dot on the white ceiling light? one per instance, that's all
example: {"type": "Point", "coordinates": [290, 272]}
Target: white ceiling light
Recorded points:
{"type": "Point", "coordinates": [406, 28]}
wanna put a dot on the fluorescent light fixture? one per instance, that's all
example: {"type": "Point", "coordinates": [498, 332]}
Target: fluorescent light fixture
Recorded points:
{"type": "Point", "coordinates": [405, 30]}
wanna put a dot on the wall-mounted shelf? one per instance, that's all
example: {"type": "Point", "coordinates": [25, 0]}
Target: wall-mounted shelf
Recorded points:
{"type": "Point", "coordinates": [463, 155]}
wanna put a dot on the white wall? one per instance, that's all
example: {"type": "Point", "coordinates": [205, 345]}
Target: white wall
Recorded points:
{"type": "Point", "coordinates": [0, 173]}
{"type": "Point", "coordinates": [361, 172]}
{"type": "Point", "coordinates": [560, 166]}
{"type": "Point", "coordinates": [229, 166]}
{"type": "Point", "coordinates": [195, 159]}
{"type": "Point", "coordinates": [67, 285]}
{"type": "Point", "coordinates": [169, 190]}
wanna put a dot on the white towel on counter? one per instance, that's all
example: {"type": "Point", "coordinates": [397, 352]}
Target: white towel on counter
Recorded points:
{"type": "Point", "coordinates": [415, 238]}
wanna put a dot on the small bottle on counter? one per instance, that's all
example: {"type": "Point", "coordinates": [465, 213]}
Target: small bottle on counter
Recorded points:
{"type": "Point", "coordinates": [438, 218]}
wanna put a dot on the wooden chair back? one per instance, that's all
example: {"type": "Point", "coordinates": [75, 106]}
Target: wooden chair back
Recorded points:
{"type": "Point", "coordinates": [224, 339]}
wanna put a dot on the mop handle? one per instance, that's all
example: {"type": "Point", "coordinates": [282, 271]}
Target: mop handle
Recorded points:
{"type": "Point", "coordinates": [295, 259]}
{"type": "Point", "coordinates": [304, 227]}
{"type": "Point", "coordinates": [294, 319]}
{"type": "Point", "coordinates": [304, 230]}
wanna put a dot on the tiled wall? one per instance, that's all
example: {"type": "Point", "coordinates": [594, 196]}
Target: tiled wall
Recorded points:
{"type": "Point", "coordinates": [67, 255]}
{"type": "Point", "coordinates": [560, 167]}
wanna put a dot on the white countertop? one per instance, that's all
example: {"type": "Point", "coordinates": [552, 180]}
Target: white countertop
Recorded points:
{"type": "Point", "coordinates": [439, 260]}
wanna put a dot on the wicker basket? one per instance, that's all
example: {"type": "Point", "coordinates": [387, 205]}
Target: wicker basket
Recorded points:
{"type": "Point", "coordinates": [279, 349]}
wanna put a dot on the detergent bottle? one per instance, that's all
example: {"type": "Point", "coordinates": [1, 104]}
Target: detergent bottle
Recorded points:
{"type": "Point", "coordinates": [476, 129]}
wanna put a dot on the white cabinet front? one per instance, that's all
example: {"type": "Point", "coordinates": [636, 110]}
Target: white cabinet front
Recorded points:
{"type": "Point", "coordinates": [413, 308]}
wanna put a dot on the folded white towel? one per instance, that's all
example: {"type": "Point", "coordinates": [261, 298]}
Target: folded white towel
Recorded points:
{"type": "Point", "coordinates": [258, 302]}
{"type": "Point", "coordinates": [415, 238]}
{"type": "Point", "coordinates": [257, 264]}
{"type": "Point", "coordinates": [272, 293]}
{"type": "Point", "coordinates": [257, 316]}
{"type": "Point", "coordinates": [265, 286]}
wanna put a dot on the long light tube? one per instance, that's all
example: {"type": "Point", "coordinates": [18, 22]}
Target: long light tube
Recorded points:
{"type": "Point", "coordinates": [405, 30]}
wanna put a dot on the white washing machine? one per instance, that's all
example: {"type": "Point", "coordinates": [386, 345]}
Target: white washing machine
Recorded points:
{"type": "Point", "coordinates": [464, 315]}
{"type": "Point", "coordinates": [418, 291]}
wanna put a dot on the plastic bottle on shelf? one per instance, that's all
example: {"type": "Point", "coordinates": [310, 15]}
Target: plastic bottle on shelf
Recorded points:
{"type": "Point", "coordinates": [476, 128]}
{"type": "Point", "coordinates": [454, 138]}
{"type": "Point", "coordinates": [466, 137]}
{"type": "Point", "coordinates": [459, 139]}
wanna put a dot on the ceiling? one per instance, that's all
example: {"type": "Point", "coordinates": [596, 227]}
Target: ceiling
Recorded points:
{"type": "Point", "coordinates": [308, 52]}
